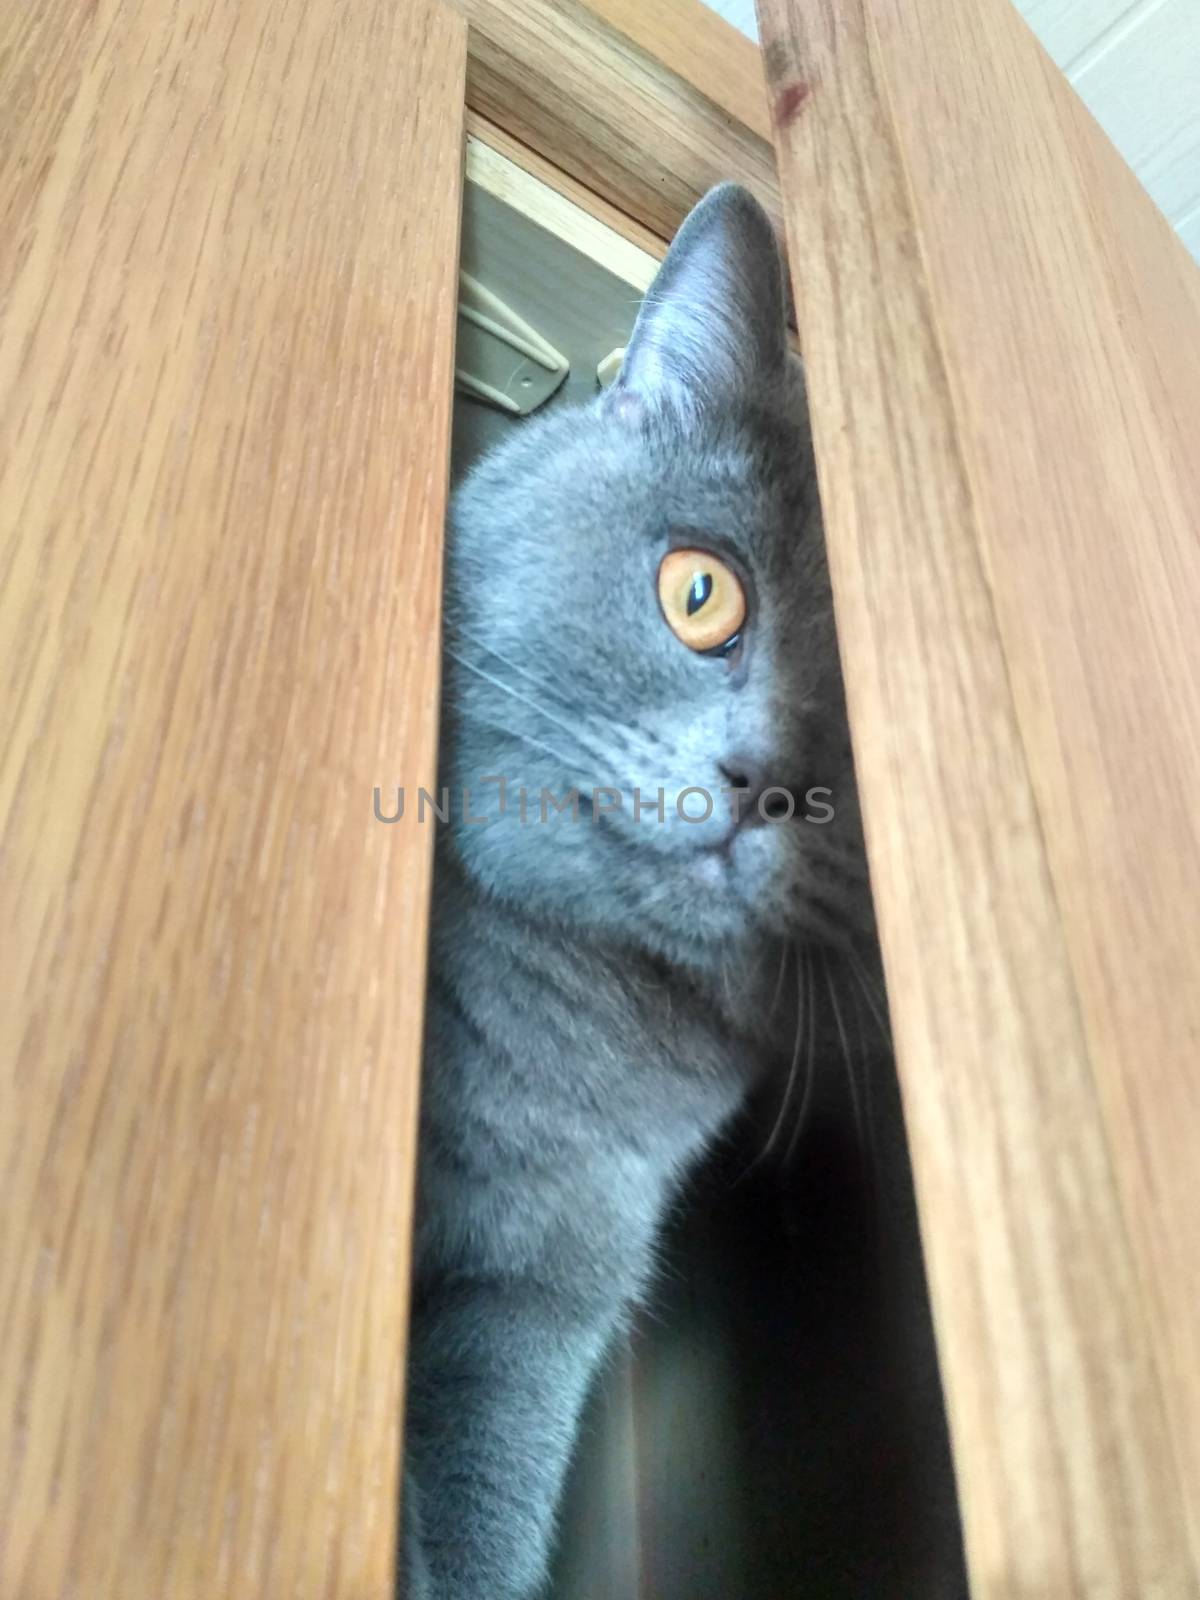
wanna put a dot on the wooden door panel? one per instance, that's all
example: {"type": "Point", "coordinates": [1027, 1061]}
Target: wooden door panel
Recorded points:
{"type": "Point", "coordinates": [228, 280]}
{"type": "Point", "coordinates": [592, 89]}
{"type": "Point", "coordinates": [991, 312]}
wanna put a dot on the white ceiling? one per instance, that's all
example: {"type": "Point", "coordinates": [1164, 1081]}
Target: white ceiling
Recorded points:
{"type": "Point", "coordinates": [1137, 65]}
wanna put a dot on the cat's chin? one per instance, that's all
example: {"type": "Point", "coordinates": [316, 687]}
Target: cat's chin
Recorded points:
{"type": "Point", "coordinates": [765, 883]}
{"type": "Point", "coordinates": [714, 869]}
{"type": "Point", "coordinates": [744, 887]}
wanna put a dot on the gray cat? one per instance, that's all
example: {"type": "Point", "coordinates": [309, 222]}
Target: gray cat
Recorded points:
{"type": "Point", "coordinates": [636, 601]}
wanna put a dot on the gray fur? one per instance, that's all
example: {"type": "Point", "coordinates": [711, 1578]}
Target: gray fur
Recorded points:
{"type": "Point", "coordinates": [604, 991]}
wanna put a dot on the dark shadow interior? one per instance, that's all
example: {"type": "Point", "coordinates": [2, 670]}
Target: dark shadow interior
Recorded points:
{"type": "Point", "coordinates": [779, 1399]}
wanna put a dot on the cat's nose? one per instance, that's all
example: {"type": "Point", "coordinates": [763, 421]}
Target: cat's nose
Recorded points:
{"type": "Point", "coordinates": [760, 800]}
{"type": "Point", "coordinates": [741, 771]}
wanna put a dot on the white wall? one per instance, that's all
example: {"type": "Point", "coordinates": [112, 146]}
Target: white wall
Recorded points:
{"type": "Point", "coordinates": [1137, 65]}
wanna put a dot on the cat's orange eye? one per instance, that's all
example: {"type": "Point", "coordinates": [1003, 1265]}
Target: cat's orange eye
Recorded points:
{"type": "Point", "coordinates": [703, 601]}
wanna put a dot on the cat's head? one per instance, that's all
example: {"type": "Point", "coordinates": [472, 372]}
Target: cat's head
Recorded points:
{"type": "Point", "coordinates": [588, 650]}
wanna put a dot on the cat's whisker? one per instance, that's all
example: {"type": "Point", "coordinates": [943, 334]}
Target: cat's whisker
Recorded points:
{"type": "Point", "coordinates": [618, 723]}
{"type": "Point", "coordinates": [784, 948]}
{"type": "Point", "coordinates": [848, 862]}
{"type": "Point", "coordinates": [809, 994]}
{"type": "Point", "coordinates": [507, 688]}
{"type": "Point", "coordinates": [865, 1056]}
{"type": "Point", "coordinates": [871, 994]}
{"type": "Point", "coordinates": [544, 685]}
{"type": "Point", "coordinates": [842, 876]}
{"type": "Point", "coordinates": [824, 921]}
{"type": "Point", "coordinates": [625, 734]}
{"type": "Point", "coordinates": [515, 733]}
{"type": "Point", "coordinates": [861, 1127]}
{"type": "Point", "coordinates": [729, 1008]}
{"type": "Point", "coordinates": [793, 1069]}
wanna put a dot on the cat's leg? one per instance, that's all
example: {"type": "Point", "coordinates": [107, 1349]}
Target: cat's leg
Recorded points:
{"type": "Point", "coordinates": [498, 1375]}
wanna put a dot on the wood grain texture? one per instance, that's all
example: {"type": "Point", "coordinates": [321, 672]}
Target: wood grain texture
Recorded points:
{"type": "Point", "coordinates": [1000, 413]}
{"type": "Point", "coordinates": [227, 273]}
{"type": "Point", "coordinates": [559, 78]}
{"type": "Point", "coordinates": [703, 48]}
{"type": "Point", "coordinates": [561, 206]}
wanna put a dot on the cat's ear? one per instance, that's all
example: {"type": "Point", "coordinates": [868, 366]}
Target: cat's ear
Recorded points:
{"type": "Point", "coordinates": [712, 323]}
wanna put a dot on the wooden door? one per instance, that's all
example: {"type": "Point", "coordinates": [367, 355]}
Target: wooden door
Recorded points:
{"type": "Point", "coordinates": [1001, 337]}
{"type": "Point", "coordinates": [228, 282]}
